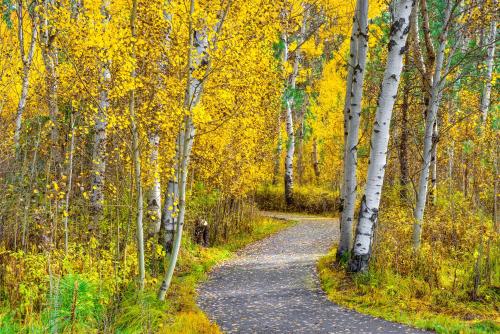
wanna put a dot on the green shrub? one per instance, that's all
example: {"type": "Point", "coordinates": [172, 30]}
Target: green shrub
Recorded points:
{"type": "Point", "coordinates": [75, 306]}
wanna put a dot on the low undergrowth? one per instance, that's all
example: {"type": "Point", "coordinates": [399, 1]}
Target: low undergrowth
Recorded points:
{"type": "Point", "coordinates": [451, 286]}
{"type": "Point", "coordinates": [307, 199]}
{"type": "Point", "coordinates": [81, 293]}
{"type": "Point", "coordinates": [396, 298]}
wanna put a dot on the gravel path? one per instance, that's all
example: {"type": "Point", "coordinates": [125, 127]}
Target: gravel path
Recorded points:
{"type": "Point", "coordinates": [272, 287]}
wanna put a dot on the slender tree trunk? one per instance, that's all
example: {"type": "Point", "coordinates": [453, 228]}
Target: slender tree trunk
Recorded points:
{"type": "Point", "coordinates": [315, 158]}
{"type": "Point", "coordinates": [168, 217]}
{"type": "Point", "coordinates": [353, 52]}
{"type": "Point", "coordinates": [70, 180]}
{"type": "Point", "coordinates": [100, 139]}
{"type": "Point", "coordinates": [431, 116]}
{"type": "Point", "coordinates": [490, 61]}
{"type": "Point", "coordinates": [404, 178]}
{"type": "Point", "coordinates": [194, 90]}
{"type": "Point", "coordinates": [360, 25]}
{"type": "Point", "coordinates": [189, 133]}
{"type": "Point", "coordinates": [290, 145]}
{"type": "Point", "coordinates": [49, 55]}
{"type": "Point", "coordinates": [433, 189]}
{"type": "Point", "coordinates": [368, 213]}
{"type": "Point", "coordinates": [279, 148]}
{"type": "Point", "coordinates": [496, 219]}
{"type": "Point", "coordinates": [431, 54]}
{"type": "Point", "coordinates": [27, 60]}
{"type": "Point", "coordinates": [300, 152]}
{"type": "Point", "coordinates": [171, 209]}
{"type": "Point", "coordinates": [154, 195]}
{"type": "Point", "coordinates": [289, 154]}
{"type": "Point", "coordinates": [289, 112]}
{"type": "Point", "coordinates": [99, 154]}
{"type": "Point", "coordinates": [136, 159]}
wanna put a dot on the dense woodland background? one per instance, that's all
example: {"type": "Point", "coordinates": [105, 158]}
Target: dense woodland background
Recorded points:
{"type": "Point", "coordinates": [124, 123]}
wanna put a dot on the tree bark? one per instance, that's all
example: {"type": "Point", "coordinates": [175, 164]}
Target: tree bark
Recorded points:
{"type": "Point", "coordinates": [433, 188]}
{"type": "Point", "coordinates": [315, 158]}
{"type": "Point", "coordinates": [360, 26]}
{"type": "Point", "coordinates": [199, 40]}
{"type": "Point", "coordinates": [300, 149]}
{"type": "Point", "coordinates": [368, 213]}
{"type": "Point", "coordinates": [136, 159]}
{"type": "Point", "coordinates": [49, 55]}
{"type": "Point", "coordinates": [99, 152]}
{"type": "Point", "coordinates": [100, 139]}
{"type": "Point", "coordinates": [490, 61]}
{"type": "Point", "coordinates": [290, 145]}
{"type": "Point", "coordinates": [154, 195]}
{"type": "Point", "coordinates": [353, 51]}
{"type": "Point", "coordinates": [69, 185]}
{"type": "Point", "coordinates": [279, 148]}
{"type": "Point", "coordinates": [189, 133]}
{"type": "Point", "coordinates": [27, 60]}
{"type": "Point", "coordinates": [168, 219]}
{"type": "Point", "coordinates": [404, 177]}
{"type": "Point", "coordinates": [289, 154]}
{"type": "Point", "coordinates": [289, 111]}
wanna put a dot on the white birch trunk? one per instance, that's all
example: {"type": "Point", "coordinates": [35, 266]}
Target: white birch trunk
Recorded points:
{"type": "Point", "coordinates": [69, 185]}
{"type": "Point", "coordinates": [290, 149]}
{"type": "Point", "coordinates": [279, 148]}
{"type": "Point", "coordinates": [360, 26]}
{"type": "Point", "coordinates": [194, 90]}
{"type": "Point", "coordinates": [168, 216]}
{"type": "Point", "coordinates": [490, 61]}
{"type": "Point", "coordinates": [290, 144]}
{"type": "Point", "coordinates": [353, 51]}
{"type": "Point", "coordinates": [49, 55]}
{"type": "Point", "coordinates": [154, 195]}
{"type": "Point", "coordinates": [289, 112]}
{"type": "Point", "coordinates": [368, 214]}
{"type": "Point", "coordinates": [430, 121]}
{"type": "Point", "coordinates": [27, 60]}
{"type": "Point", "coordinates": [100, 138]}
{"type": "Point", "coordinates": [189, 133]}
{"type": "Point", "coordinates": [136, 155]}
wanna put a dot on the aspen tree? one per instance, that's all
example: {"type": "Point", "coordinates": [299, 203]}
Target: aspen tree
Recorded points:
{"type": "Point", "coordinates": [136, 157]}
{"type": "Point", "coordinates": [100, 134]}
{"type": "Point", "coordinates": [353, 112]}
{"type": "Point", "coordinates": [490, 62]}
{"type": "Point", "coordinates": [50, 55]}
{"type": "Point", "coordinates": [370, 202]}
{"type": "Point", "coordinates": [430, 121]}
{"type": "Point", "coordinates": [27, 60]}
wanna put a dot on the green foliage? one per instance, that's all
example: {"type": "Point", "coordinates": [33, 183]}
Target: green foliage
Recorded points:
{"type": "Point", "coordinates": [297, 95]}
{"type": "Point", "coordinates": [75, 305]}
{"type": "Point", "coordinates": [278, 48]}
{"type": "Point", "coordinates": [8, 325]}
{"type": "Point", "coordinates": [7, 8]}
{"type": "Point", "coordinates": [308, 199]}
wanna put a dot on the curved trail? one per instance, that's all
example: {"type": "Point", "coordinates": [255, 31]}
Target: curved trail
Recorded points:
{"type": "Point", "coordinates": [272, 287]}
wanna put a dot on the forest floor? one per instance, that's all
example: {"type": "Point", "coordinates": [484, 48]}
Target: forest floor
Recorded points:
{"type": "Point", "coordinates": [272, 286]}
